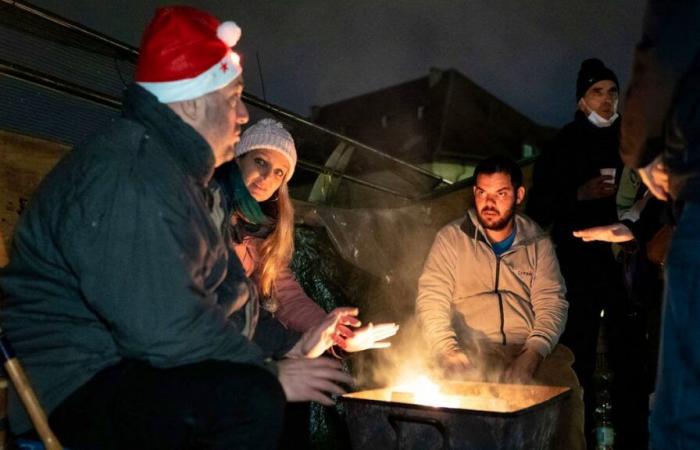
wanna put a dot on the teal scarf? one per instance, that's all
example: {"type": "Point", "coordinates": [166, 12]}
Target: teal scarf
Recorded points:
{"type": "Point", "coordinates": [242, 202]}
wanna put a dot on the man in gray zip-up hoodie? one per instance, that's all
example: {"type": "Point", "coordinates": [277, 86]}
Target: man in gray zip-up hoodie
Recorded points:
{"type": "Point", "coordinates": [491, 299]}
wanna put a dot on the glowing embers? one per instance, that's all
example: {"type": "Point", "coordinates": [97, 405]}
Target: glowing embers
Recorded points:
{"type": "Point", "coordinates": [475, 396]}
{"type": "Point", "coordinates": [422, 391]}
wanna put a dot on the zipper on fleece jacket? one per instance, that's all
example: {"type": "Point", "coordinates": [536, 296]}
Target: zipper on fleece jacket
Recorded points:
{"type": "Point", "coordinates": [500, 299]}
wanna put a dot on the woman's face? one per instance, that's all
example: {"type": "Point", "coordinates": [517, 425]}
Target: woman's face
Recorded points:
{"type": "Point", "coordinates": [263, 172]}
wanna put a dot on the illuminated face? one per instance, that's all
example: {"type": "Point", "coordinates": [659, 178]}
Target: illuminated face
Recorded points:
{"type": "Point", "coordinates": [602, 98]}
{"type": "Point", "coordinates": [263, 172]}
{"type": "Point", "coordinates": [224, 114]}
{"type": "Point", "coordinates": [495, 199]}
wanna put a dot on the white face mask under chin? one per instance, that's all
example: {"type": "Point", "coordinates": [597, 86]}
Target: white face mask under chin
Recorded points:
{"type": "Point", "coordinates": [598, 120]}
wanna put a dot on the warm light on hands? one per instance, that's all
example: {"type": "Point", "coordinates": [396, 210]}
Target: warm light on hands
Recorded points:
{"type": "Point", "coordinates": [370, 337]}
{"type": "Point", "coordinates": [333, 330]}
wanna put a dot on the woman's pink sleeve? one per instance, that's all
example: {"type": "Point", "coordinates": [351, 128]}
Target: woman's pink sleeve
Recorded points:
{"type": "Point", "coordinates": [297, 311]}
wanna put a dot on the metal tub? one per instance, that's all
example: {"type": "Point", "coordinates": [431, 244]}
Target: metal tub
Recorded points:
{"type": "Point", "coordinates": [484, 416]}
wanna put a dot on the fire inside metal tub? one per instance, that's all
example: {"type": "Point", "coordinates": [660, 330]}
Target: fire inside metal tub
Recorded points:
{"type": "Point", "coordinates": [454, 415]}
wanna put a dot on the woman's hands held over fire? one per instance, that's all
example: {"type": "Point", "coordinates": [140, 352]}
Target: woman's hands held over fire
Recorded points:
{"type": "Point", "coordinates": [334, 329]}
{"type": "Point", "coordinates": [370, 337]}
{"type": "Point", "coordinates": [305, 377]}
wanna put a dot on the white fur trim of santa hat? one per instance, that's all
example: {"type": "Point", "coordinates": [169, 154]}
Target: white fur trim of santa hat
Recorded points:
{"type": "Point", "coordinates": [218, 76]}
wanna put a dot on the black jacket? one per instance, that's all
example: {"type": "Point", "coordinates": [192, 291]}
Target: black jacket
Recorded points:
{"type": "Point", "coordinates": [576, 155]}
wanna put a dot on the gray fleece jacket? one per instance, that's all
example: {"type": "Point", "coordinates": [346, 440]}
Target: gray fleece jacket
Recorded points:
{"type": "Point", "coordinates": [466, 292]}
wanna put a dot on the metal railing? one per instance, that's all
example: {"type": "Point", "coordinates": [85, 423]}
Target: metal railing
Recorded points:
{"type": "Point", "coordinates": [129, 54]}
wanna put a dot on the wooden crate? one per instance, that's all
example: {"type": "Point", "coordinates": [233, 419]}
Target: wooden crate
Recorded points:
{"type": "Point", "coordinates": [24, 161]}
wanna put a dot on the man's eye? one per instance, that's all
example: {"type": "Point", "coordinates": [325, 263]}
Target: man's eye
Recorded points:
{"type": "Point", "coordinates": [279, 173]}
{"type": "Point", "coordinates": [261, 162]}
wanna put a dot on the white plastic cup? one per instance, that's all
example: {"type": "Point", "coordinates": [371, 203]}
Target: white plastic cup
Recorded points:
{"type": "Point", "coordinates": [609, 171]}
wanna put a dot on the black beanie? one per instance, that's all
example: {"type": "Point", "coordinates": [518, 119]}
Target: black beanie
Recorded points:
{"type": "Point", "coordinates": [592, 71]}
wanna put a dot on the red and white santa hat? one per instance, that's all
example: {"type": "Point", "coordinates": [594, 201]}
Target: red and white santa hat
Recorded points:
{"type": "Point", "coordinates": [186, 53]}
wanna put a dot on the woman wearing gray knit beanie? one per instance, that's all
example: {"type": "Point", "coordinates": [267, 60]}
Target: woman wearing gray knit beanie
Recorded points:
{"type": "Point", "coordinates": [261, 230]}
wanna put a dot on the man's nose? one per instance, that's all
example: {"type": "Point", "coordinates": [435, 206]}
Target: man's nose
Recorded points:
{"type": "Point", "coordinates": [242, 115]}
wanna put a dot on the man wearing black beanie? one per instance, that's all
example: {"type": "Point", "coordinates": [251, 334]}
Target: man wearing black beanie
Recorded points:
{"type": "Point", "coordinates": [597, 93]}
{"type": "Point", "coordinates": [574, 186]}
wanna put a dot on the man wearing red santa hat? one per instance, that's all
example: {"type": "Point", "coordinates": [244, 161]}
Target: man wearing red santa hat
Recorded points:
{"type": "Point", "coordinates": [119, 289]}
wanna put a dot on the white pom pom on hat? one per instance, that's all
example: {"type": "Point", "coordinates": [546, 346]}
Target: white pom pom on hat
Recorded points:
{"type": "Point", "coordinates": [269, 134]}
{"type": "Point", "coordinates": [229, 32]}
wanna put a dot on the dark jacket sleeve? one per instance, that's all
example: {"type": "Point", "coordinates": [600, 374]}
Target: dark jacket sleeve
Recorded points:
{"type": "Point", "coordinates": [145, 270]}
{"type": "Point", "coordinates": [297, 310]}
{"type": "Point", "coordinates": [274, 338]}
{"type": "Point", "coordinates": [649, 222]}
{"type": "Point", "coordinates": [669, 46]}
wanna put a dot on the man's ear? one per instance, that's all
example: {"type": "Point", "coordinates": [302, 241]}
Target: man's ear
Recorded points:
{"type": "Point", "coordinates": [583, 107]}
{"type": "Point", "coordinates": [190, 111]}
{"type": "Point", "coordinates": [193, 109]}
{"type": "Point", "coordinates": [520, 195]}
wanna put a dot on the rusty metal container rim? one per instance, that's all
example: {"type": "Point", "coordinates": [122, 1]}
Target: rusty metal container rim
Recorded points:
{"type": "Point", "coordinates": [452, 410]}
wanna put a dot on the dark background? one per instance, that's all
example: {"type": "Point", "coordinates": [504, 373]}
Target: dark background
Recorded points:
{"type": "Point", "coordinates": [315, 52]}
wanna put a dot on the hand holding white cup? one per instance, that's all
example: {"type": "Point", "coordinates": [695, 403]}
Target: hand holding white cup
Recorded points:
{"type": "Point", "coordinates": [609, 172]}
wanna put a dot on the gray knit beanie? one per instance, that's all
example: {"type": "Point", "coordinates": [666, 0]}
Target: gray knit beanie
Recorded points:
{"type": "Point", "coordinates": [271, 135]}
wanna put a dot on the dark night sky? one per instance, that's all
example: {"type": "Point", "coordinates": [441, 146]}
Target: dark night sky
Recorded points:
{"type": "Point", "coordinates": [526, 52]}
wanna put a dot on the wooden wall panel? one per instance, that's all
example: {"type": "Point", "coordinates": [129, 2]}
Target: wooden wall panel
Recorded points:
{"type": "Point", "coordinates": [24, 161]}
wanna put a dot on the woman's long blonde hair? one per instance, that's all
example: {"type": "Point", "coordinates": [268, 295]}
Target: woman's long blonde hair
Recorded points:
{"type": "Point", "coordinates": [276, 250]}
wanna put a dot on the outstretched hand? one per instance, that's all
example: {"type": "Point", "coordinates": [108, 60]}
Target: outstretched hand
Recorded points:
{"type": "Point", "coordinates": [369, 337]}
{"type": "Point", "coordinates": [315, 380]}
{"type": "Point", "coordinates": [335, 329]}
{"type": "Point", "coordinates": [615, 232]}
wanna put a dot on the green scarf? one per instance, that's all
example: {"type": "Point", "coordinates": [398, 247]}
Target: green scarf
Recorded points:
{"type": "Point", "coordinates": [242, 202]}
